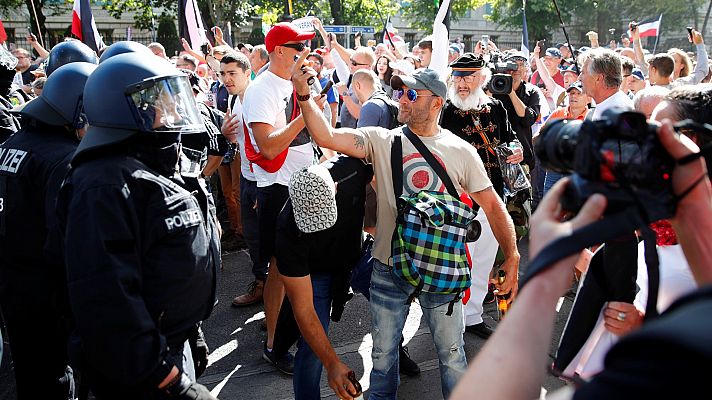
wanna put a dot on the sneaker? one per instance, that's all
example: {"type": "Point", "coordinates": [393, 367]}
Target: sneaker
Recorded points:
{"type": "Point", "coordinates": [405, 364]}
{"type": "Point", "coordinates": [481, 330]}
{"type": "Point", "coordinates": [253, 295]}
{"type": "Point", "coordinates": [284, 364]}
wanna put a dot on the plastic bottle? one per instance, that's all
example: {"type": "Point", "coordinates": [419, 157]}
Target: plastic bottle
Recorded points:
{"type": "Point", "coordinates": [502, 306]}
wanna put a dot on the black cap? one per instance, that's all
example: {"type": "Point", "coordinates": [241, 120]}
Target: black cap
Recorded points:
{"type": "Point", "coordinates": [467, 64]}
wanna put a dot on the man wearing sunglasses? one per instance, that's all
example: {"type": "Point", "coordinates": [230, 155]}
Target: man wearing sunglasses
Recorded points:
{"type": "Point", "coordinates": [421, 98]}
{"type": "Point", "coordinates": [277, 133]}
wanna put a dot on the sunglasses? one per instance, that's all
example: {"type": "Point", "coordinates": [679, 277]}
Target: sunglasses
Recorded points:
{"type": "Point", "coordinates": [296, 46]}
{"type": "Point", "coordinates": [410, 93]}
{"type": "Point", "coordinates": [356, 64]}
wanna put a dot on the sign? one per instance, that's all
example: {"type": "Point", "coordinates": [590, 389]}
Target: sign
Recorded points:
{"type": "Point", "coordinates": [335, 28]}
{"type": "Point", "coordinates": [363, 29]}
{"type": "Point", "coordinates": [304, 24]}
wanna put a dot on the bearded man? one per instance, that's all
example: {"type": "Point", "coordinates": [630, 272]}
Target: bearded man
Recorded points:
{"type": "Point", "coordinates": [481, 121]}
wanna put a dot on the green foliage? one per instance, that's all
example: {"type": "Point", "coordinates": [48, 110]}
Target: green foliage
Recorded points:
{"type": "Point", "coordinates": [421, 13]}
{"type": "Point", "coordinates": [581, 16]}
{"type": "Point", "coordinates": [351, 12]}
{"type": "Point", "coordinates": [167, 34]}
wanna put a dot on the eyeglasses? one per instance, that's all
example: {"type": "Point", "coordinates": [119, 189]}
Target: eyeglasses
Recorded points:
{"type": "Point", "coordinates": [467, 79]}
{"type": "Point", "coordinates": [356, 64]}
{"type": "Point", "coordinates": [296, 46]}
{"type": "Point", "coordinates": [410, 93]}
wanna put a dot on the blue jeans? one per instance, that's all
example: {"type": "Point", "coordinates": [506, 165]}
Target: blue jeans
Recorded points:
{"type": "Point", "coordinates": [389, 311]}
{"type": "Point", "coordinates": [307, 366]}
{"type": "Point", "coordinates": [250, 226]}
{"type": "Point", "coordinates": [551, 178]}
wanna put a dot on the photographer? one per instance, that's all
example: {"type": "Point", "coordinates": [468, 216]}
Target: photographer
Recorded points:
{"type": "Point", "coordinates": [679, 337]}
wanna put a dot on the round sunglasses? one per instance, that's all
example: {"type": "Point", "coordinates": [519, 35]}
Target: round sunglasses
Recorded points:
{"type": "Point", "coordinates": [410, 93]}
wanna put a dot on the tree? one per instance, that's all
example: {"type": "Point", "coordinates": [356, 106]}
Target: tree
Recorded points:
{"type": "Point", "coordinates": [421, 13]}
{"type": "Point", "coordinates": [336, 12]}
{"type": "Point", "coordinates": [34, 7]}
{"type": "Point", "coordinates": [581, 16]}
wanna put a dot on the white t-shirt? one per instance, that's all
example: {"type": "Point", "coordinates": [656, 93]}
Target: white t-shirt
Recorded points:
{"type": "Point", "coordinates": [619, 99]}
{"type": "Point", "coordinates": [246, 167]}
{"type": "Point", "coordinates": [460, 159]}
{"type": "Point", "coordinates": [266, 101]}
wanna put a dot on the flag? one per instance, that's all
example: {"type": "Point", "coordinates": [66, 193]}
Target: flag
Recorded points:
{"type": "Point", "coordinates": [3, 33]}
{"type": "Point", "coordinates": [651, 28]}
{"type": "Point", "coordinates": [525, 32]}
{"type": "Point", "coordinates": [391, 32]}
{"type": "Point", "coordinates": [84, 26]}
{"type": "Point", "coordinates": [190, 24]}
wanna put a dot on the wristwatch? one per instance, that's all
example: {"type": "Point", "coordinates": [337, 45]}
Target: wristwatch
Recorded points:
{"type": "Point", "coordinates": [303, 97]}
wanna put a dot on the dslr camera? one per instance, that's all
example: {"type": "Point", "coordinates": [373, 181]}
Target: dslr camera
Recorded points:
{"type": "Point", "coordinates": [501, 82]}
{"type": "Point", "coordinates": [618, 156]}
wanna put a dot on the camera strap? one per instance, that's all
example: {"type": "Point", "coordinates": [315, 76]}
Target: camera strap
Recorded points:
{"type": "Point", "coordinates": [604, 230]}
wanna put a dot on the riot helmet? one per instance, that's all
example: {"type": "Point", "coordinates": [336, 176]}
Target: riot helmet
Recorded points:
{"type": "Point", "coordinates": [124, 46]}
{"type": "Point", "coordinates": [68, 52]}
{"type": "Point", "coordinates": [131, 94]}
{"type": "Point", "coordinates": [61, 102]}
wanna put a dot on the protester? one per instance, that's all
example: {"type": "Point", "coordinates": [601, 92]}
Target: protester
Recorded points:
{"type": "Point", "coordinates": [25, 67]}
{"type": "Point", "coordinates": [418, 110]}
{"type": "Point", "coordinates": [129, 222]}
{"type": "Point", "coordinates": [258, 59]}
{"type": "Point", "coordinates": [284, 146]}
{"type": "Point", "coordinates": [385, 72]}
{"type": "Point", "coordinates": [481, 121]}
{"type": "Point", "coordinates": [647, 99]}
{"type": "Point", "coordinates": [601, 78]}
{"type": "Point", "coordinates": [317, 62]}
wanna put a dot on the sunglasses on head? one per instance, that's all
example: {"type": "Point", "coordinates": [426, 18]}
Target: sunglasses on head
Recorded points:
{"type": "Point", "coordinates": [410, 93]}
{"type": "Point", "coordinates": [295, 46]}
{"type": "Point", "coordinates": [356, 64]}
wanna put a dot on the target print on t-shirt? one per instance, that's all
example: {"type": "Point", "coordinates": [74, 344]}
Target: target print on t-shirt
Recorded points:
{"type": "Point", "coordinates": [417, 175]}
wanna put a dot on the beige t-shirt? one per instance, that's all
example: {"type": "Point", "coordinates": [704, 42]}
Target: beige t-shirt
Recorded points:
{"type": "Point", "coordinates": [459, 158]}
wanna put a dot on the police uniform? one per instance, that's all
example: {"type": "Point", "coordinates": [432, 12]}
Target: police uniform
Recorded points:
{"type": "Point", "coordinates": [140, 240]}
{"type": "Point", "coordinates": [32, 285]}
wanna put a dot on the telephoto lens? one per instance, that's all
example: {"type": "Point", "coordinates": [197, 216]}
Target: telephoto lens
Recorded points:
{"type": "Point", "coordinates": [556, 145]}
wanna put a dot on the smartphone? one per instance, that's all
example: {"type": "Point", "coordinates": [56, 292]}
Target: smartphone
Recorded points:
{"type": "Point", "coordinates": [485, 43]}
{"type": "Point", "coordinates": [541, 43]}
{"type": "Point", "coordinates": [689, 32]}
{"type": "Point", "coordinates": [204, 48]}
{"type": "Point", "coordinates": [327, 88]}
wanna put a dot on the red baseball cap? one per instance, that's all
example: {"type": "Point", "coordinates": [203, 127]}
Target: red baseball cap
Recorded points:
{"type": "Point", "coordinates": [284, 32]}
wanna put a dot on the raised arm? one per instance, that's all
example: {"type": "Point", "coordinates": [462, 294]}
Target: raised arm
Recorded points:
{"type": "Point", "coordinates": [348, 141]}
{"type": "Point", "coordinates": [543, 72]}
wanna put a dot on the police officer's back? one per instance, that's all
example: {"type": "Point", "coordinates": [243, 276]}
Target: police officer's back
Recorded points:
{"type": "Point", "coordinates": [140, 251]}
{"type": "Point", "coordinates": [33, 163]}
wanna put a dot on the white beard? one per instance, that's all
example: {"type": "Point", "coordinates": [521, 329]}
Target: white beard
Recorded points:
{"type": "Point", "coordinates": [474, 101]}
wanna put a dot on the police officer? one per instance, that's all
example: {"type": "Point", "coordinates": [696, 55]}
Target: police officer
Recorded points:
{"type": "Point", "coordinates": [141, 245]}
{"type": "Point", "coordinates": [67, 52]}
{"type": "Point", "coordinates": [33, 163]}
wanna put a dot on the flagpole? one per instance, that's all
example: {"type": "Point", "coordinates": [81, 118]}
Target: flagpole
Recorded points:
{"type": "Point", "coordinates": [660, 26]}
{"type": "Point", "coordinates": [385, 27]}
{"type": "Point", "coordinates": [37, 22]}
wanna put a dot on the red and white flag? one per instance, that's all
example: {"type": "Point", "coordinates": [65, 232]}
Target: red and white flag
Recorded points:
{"type": "Point", "coordinates": [84, 26]}
{"type": "Point", "coordinates": [650, 28]}
{"type": "Point", "coordinates": [392, 32]}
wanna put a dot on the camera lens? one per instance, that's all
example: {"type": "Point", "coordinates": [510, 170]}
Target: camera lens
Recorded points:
{"type": "Point", "coordinates": [556, 145]}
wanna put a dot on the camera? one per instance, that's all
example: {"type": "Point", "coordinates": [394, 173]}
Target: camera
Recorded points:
{"type": "Point", "coordinates": [618, 156]}
{"type": "Point", "coordinates": [501, 82]}
{"type": "Point", "coordinates": [633, 26]}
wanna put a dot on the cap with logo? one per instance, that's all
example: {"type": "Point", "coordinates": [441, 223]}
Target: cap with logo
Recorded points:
{"type": "Point", "coordinates": [575, 85]}
{"type": "Point", "coordinates": [467, 64]}
{"type": "Point", "coordinates": [638, 74]}
{"type": "Point", "coordinates": [422, 78]}
{"type": "Point", "coordinates": [553, 52]}
{"type": "Point", "coordinates": [313, 194]}
{"type": "Point", "coordinates": [285, 32]}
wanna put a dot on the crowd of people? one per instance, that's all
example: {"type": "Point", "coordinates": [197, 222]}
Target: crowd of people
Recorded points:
{"type": "Point", "coordinates": [126, 175]}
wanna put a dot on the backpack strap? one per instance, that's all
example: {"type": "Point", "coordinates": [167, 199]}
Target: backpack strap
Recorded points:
{"type": "Point", "coordinates": [397, 165]}
{"type": "Point", "coordinates": [428, 156]}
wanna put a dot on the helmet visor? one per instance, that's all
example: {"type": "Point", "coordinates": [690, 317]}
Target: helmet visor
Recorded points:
{"type": "Point", "coordinates": [165, 104]}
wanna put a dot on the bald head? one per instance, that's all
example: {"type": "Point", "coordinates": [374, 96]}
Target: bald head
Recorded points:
{"type": "Point", "coordinates": [647, 99]}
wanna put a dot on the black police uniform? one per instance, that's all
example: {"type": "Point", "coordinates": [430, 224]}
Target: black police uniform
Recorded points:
{"type": "Point", "coordinates": [33, 163]}
{"type": "Point", "coordinates": [141, 269]}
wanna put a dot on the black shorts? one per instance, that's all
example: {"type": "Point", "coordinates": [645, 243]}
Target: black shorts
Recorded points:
{"type": "Point", "coordinates": [270, 200]}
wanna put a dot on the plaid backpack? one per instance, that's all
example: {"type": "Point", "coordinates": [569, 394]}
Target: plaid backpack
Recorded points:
{"type": "Point", "coordinates": [428, 243]}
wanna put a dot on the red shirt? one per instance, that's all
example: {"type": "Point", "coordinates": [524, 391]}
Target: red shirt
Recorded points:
{"type": "Point", "coordinates": [558, 78]}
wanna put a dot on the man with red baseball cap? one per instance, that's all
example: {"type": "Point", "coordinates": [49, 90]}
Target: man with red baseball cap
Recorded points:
{"type": "Point", "coordinates": [277, 145]}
